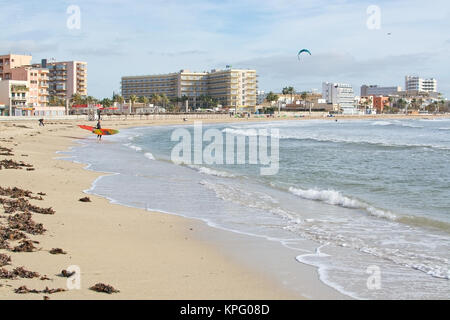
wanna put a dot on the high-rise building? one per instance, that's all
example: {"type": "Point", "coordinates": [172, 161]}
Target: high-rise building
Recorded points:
{"type": "Point", "coordinates": [234, 88]}
{"type": "Point", "coordinates": [340, 95]}
{"type": "Point", "coordinates": [67, 78]}
{"type": "Point", "coordinates": [414, 83]}
{"type": "Point", "coordinates": [374, 90]}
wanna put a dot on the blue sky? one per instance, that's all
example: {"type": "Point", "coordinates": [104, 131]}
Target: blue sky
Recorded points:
{"type": "Point", "coordinates": [131, 37]}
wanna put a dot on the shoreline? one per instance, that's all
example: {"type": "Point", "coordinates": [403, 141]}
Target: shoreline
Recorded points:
{"type": "Point", "coordinates": [240, 277]}
{"type": "Point", "coordinates": [98, 236]}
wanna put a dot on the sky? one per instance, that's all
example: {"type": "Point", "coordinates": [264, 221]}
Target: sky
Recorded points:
{"type": "Point", "coordinates": [349, 41]}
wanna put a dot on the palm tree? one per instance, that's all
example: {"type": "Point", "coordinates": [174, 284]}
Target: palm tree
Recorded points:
{"type": "Point", "coordinates": [164, 100]}
{"type": "Point", "coordinates": [271, 97]}
{"type": "Point", "coordinates": [144, 100]}
{"type": "Point", "coordinates": [90, 100]}
{"type": "Point", "coordinates": [133, 99]}
{"type": "Point", "coordinates": [106, 103]}
{"type": "Point", "coordinates": [303, 96]}
{"type": "Point", "coordinates": [155, 99]}
{"type": "Point", "coordinates": [118, 98]}
{"type": "Point", "coordinates": [77, 99]}
{"type": "Point", "coordinates": [289, 90]}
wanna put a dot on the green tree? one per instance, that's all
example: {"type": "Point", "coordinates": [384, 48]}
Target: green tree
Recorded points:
{"type": "Point", "coordinates": [118, 98]}
{"type": "Point", "coordinates": [144, 100]}
{"type": "Point", "coordinates": [106, 103]}
{"type": "Point", "coordinates": [271, 97]}
{"type": "Point", "coordinates": [155, 99]}
{"type": "Point", "coordinates": [290, 91]}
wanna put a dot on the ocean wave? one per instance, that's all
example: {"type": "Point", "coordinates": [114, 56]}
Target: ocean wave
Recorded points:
{"type": "Point", "coordinates": [212, 172]}
{"type": "Point", "coordinates": [253, 133]}
{"type": "Point", "coordinates": [336, 198]}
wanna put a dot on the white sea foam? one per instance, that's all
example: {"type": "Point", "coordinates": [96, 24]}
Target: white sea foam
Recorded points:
{"type": "Point", "coordinates": [149, 156]}
{"type": "Point", "coordinates": [338, 199]}
{"type": "Point", "coordinates": [212, 172]}
{"type": "Point", "coordinates": [135, 148]}
{"type": "Point", "coordinates": [382, 123]}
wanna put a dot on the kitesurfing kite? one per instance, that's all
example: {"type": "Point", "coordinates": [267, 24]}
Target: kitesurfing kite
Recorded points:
{"type": "Point", "coordinates": [303, 51]}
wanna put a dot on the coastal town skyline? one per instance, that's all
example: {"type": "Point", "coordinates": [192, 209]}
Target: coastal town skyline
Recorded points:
{"type": "Point", "coordinates": [261, 36]}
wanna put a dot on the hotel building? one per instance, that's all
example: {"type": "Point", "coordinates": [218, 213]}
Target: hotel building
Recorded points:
{"type": "Point", "coordinates": [67, 78]}
{"type": "Point", "coordinates": [374, 90]}
{"type": "Point", "coordinates": [413, 83]}
{"type": "Point", "coordinates": [233, 88]}
{"type": "Point", "coordinates": [340, 95]}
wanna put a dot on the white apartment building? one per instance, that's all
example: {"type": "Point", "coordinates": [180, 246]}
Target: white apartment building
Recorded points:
{"type": "Point", "coordinates": [414, 83]}
{"type": "Point", "coordinates": [374, 90]}
{"type": "Point", "coordinates": [341, 95]}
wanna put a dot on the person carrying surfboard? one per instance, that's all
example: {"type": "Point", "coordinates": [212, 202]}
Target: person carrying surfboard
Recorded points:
{"type": "Point", "coordinates": [99, 127]}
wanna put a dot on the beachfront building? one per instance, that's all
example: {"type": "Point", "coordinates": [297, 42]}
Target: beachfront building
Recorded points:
{"type": "Point", "coordinates": [18, 67]}
{"type": "Point", "coordinates": [66, 78]}
{"type": "Point", "coordinates": [11, 61]}
{"type": "Point", "coordinates": [341, 96]}
{"type": "Point", "coordinates": [374, 90]}
{"type": "Point", "coordinates": [414, 83]}
{"type": "Point", "coordinates": [232, 88]}
{"type": "Point", "coordinates": [379, 103]}
{"type": "Point", "coordinates": [14, 98]}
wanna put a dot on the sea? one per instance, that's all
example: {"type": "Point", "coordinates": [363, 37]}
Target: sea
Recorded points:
{"type": "Point", "coordinates": [373, 196]}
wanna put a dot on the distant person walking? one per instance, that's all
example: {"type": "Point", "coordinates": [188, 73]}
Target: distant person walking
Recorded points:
{"type": "Point", "coordinates": [99, 127]}
{"type": "Point", "coordinates": [41, 123]}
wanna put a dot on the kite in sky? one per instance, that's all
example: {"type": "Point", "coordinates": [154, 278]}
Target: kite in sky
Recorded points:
{"type": "Point", "coordinates": [303, 51]}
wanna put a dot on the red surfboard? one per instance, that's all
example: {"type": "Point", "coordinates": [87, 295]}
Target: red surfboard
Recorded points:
{"type": "Point", "coordinates": [101, 132]}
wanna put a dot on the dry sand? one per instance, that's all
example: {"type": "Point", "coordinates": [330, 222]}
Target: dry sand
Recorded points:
{"type": "Point", "coordinates": [145, 255]}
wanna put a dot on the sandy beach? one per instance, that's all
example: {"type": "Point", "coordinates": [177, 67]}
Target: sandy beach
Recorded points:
{"type": "Point", "coordinates": [144, 255]}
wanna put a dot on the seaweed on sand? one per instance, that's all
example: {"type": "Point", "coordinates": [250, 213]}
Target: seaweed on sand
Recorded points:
{"type": "Point", "coordinates": [17, 193]}
{"type": "Point", "coordinates": [23, 222]}
{"type": "Point", "coordinates": [67, 274]}
{"type": "Point", "coordinates": [25, 246]}
{"type": "Point", "coordinates": [11, 164]}
{"type": "Point", "coordinates": [4, 260]}
{"type": "Point", "coordinates": [57, 251]}
{"type": "Point", "coordinates": [104, 288]}
{"type": "Point", "coordinates": [21, 204]}
{"type": "Point", "coordinates": [24, 290]}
